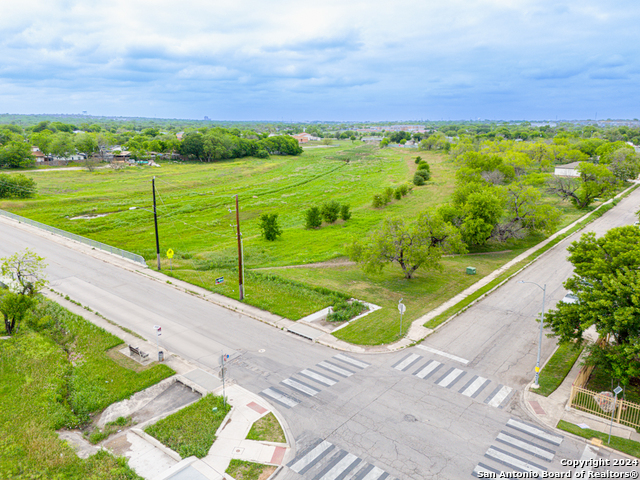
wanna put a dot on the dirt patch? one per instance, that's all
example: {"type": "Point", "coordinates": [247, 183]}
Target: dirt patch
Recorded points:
{"type": "Point", "coordinates": [336, 262]}
{"type": "Point", "coordinates": [267, 472]}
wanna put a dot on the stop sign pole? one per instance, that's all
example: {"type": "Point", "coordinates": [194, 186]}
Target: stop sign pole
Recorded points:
{"type": "Point", "coordinates": [401, 308]}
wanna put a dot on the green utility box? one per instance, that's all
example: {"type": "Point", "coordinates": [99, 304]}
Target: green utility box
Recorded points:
{"type": "Point", "coordinates": [471, 270]}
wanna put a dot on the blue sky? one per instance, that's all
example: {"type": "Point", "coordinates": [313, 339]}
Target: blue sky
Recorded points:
{"type": "Point", "coordinates": [322, 60]}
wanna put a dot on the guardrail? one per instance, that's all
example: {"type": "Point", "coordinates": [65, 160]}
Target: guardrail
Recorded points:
{"type": "Point", "coordinates": [87, 241]}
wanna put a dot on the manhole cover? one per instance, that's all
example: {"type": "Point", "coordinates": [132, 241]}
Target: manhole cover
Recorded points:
{"type": "Point", "coordinates": [410, 418]}
{"type": "Point", "coordinates": [261, 350]}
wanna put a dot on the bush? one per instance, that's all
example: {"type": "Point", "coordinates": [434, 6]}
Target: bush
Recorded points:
{"type": "Point", "coordinates": [313, 218]}
{"type": "Point", "coordinates": [378, 201]}
{"type": "Point", "coordinates": [17, 186]}
{"type": "Point", "coordinates": [418, 159]}
{"type": "Point", "coordinates": [425, 174]}
{"type": "Point", "coordinates": [404, 188]}
{"type": "Point", "coordinates": [418, 180]}
{"type": "Point", "coordinates": [397, 194]}
{"type": "Point", "coordinates": [344, 310]}
{"type": "Point", "coordinates": [345, 213]}
{"type": "Point", "coordinates": [269, 226]}
{"type": "Point", "coordinates": [424, 166]}
{"type": "Point", "coordinates": [330, 211]}
{"type": "Point", "coordinates": [388, 194]}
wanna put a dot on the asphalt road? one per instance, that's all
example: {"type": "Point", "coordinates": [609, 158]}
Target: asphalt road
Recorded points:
{"type": "Point", "coordinates": [375, 418]}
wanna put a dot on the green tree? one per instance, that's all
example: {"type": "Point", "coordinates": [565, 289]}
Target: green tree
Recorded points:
{"type": "Point", "coordinates": [313, 218]}
{"type": "Point", "coordinates": [330, 211]}
{"type": "Point", "coordinates": [269, 226]}
{"type": "Point", "coordinates": [17, 186]}
{"type": "Point", "coordinates": [345, 212]}
{"type": "Point", "coordinates": [16, 154]}
{"type": "Point", "coordinates": [14, 307]}
{"type": "Point", "coordinates": [607, 281]}
{"type": "Point", "coordinates": [595, 181]}
{"type": "Point", "coordinates": [411, 245]}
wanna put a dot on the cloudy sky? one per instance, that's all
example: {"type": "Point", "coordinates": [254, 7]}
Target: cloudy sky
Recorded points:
{"type": "Point", "coordinates": [322, 60]}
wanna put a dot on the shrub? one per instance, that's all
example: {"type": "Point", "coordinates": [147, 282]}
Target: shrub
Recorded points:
{"type": "Point", "coordinates": [418, 180]}
{"type": "Point", "coordinates": [424, 166]}
{"type": "Point", "coordinates": [425, 174]}
{"type": "Point", "coordinates": [378, 201]}
{"type": "Point", "coordinates": [404, 188]}
{"type": "Point", "coordinates": [269, 226]}
{"type": "Point", "coordinates": [388, 194]}
{"type": "Point", "coordinates": [418, 159]}
{"type": "Point", "coordinates": [344, 310]}
{"type": "Point", "coordinates": [331, 211]}
{"type": "Point", "coordinates": [313, 218]}
{"type": "Point", "coordinates": [345, 213]}
{"type": "Point", "coordinates": [17, 186]}
{"type": "Point", "coordinates": [397, 193]}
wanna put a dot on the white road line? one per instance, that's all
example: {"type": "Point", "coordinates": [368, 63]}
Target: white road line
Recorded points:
{"type": "Point", "coordinates": [352, 361]}
{"type": "Point", "coordinates": [374, 474]}
{"type": "Point", "coordinates": [481, 469]}
{"type": "Point", "coordinates": [333, 368]}
{"type": "Point", "coordinates": [301, 387]}
{"type": "Point", "coordinates": [443, 354]}
{"type": "Point", "coordinates": [471, 389]}
{"type": "Point", "coordinates": [311, 456]}
{"type": "Point", "coordinates": [318, 377]}
{"type": "Point", "coordinates": [339, 467]}
{"type": "Point", "coordinates": [522, 445]}
{"type": "Point", "coordinates": [512, 461]}
{"type": "Point", "coordinates": [428, 369]}
{"type": "Point", "coordinates": [534, 431]}
{"type": "Point", "coordinates": [279, 397]}
{"type": "Point", "coordinates": [499, 397]}
{"type": "Point", "coordinates": [446, 381]}
{"type": "Point", "coordinates": [407, 361]}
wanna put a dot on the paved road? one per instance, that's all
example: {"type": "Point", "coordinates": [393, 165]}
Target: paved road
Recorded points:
{"type": "Point", "coordinates": [435, 413]}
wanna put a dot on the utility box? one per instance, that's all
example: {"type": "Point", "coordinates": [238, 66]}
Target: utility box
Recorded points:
{"type": "Point", "coordinates": [471, 270]}
{"type": "Point", "coordinates": [161, 356]}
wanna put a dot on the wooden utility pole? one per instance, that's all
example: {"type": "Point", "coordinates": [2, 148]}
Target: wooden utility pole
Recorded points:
{"type": "Point", "coordinates": [155, 220]}
{"type": "Point", "coordinates": [240, 279]}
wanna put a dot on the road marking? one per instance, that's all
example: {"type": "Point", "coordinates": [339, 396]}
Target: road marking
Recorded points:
{"type": "Point", "coordinates": [374, 474]}
{"type": "Point", "coordinates": [428, 370]}
{"type": "Point", "coordinates": [301, 387]}
{"type": "Point", "coordinates": [535, 431]}
{"type": "Point", "coordinates": [526, 446]}
{"type": "Point", "coordinates": [497, 396]}
{"type": "Point", "coordinates": [589, 454]}
{"type": "Point", "coordinates": [310, 458]}
{"type": "Point", "coordinates": [482, 468]}
{"type": "Point", "coordinates": [352, 361]}
{"type": "Point", "coordinates": [336, 369]}
{"type": "Point", "coordinates": [407, 361]}
{"type": "Point", "coordinates": [340, 469]}
{"type": "Point", "coordinates": [513, 461]}
{"type": "Point", "coordinates": [280, 397]}
{"type": "Point", "coordinates": [474, 387]}
{"type": "Point", "coordinates": [317, 377]}
{"type": "Point", "coordinates": [450, 378]}
{"type": "Point", "coordinates": [443, 354]}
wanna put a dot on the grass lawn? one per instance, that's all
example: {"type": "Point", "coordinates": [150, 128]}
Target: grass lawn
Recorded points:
{"type": "Point", "coordinates": [192, 430]}
{"type": "Point", "coordinates": [600, 382]}
{"type": "Point", "coordinates": [55, 373]}
{"type": "Point", "coordinates": [630, 447]}
{"type": "Point", "coordinates": [557, 368]}
{"type": "Point", "coordinates": [241, 470]}
{"type": "Point", "coordinates": [267, 429]}
{"type": "Point", "coordinates": [196, 219]}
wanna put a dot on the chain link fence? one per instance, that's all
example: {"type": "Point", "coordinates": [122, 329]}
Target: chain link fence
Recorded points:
{"type": "Point", "coordinates": [87, 241]}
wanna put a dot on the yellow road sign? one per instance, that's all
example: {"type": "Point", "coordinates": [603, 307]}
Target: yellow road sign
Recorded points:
{"type": "Point", "coordinates": [169, 253]}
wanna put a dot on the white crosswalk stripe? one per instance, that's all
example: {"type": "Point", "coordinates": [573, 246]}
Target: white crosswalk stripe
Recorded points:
{"type": "Point", "coordinates": [499, 397]}
{"type": "Point", "coordinates": [535, 431]}
{"type": "Point", "coordinates": [430, 367]}
{"type": "Point", "coordinates": [443, 354]}
{"type": "Point", "coordinates": [407, 361]}
{"type": "Point", "coordinates": [340, 467]}
{"type": "Point", "coordinates": [335, 369]}
{"type": "Point", "coordinates": [280, 397]}
{"type": "Point", "coordinates": [525, 446]}
{"type": "Point", "coordinates": [446, 381]}
{"type": "Point", "coordinates": [513, 461]}
{"type": "Point", "coordinates": [301, 387]}
{"type": "Point", "coordinates": [473, 388]}
{"type": "Point", "coordinates": [310, 457]}
{"type": "Point", "coordinates": [374, 474]}
{"type": "Point", "coordinates": [352, 361]}
{"type": "Point", "coordinates": [317, 377]}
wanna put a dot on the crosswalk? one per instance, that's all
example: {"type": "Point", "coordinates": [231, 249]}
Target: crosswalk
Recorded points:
{"type": "Point", "coordinates": [453, 378]}
{"type": "Point", "coordinates": [323, 460]}
{"type": "Point", "coordinates": [308, 382]}
{"type": "Point", "coordinates": [523, 446]}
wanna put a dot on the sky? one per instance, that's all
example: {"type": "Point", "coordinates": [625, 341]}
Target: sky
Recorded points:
{"type": "Point", "coordinates": [327, 60]}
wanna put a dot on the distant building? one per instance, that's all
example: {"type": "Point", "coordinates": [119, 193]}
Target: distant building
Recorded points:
{"type": "Point", "coordinates": [206, 118]}
{"type": "Point", "coordinates": [179, 135]}
{"type": "Point", "coordinates": [40, 157]}
{"type": "Point", "coordinates": [568, 170]}
{"type": "Point", "coordinates": [304, 137]}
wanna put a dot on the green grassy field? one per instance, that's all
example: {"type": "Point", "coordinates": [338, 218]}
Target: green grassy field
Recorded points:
{"type": "Point", "coordinates": [197, 218]}
{"type": "Point", "coordinates": [56, 373]}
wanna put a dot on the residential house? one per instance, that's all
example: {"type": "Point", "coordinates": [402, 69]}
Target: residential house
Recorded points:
{"type": "Point", "coordinates": [568, 170]}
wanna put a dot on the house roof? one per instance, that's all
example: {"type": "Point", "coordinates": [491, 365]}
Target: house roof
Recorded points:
{"type": "Point", "coordinates": [571, 166]}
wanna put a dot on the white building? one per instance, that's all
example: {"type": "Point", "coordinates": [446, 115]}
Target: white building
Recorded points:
{"type": "Point", "coordinates": [568, 170]}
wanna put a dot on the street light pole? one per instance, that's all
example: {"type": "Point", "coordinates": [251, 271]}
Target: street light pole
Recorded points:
{"type": "Point", "coordinates": [536, 383]}
{"type": "Point", "coordinates": [240, 253]}
{"type": "Point", "coordinates": [155, 220]}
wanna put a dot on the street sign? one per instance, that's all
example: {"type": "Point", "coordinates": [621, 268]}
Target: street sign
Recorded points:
{"type": "Point", "coordinates": [402, 308]}
{"type": "Point", "coordinates": [223, 359]}
{"type": "Point", "coordinates": [170, 253]}
{"type": "Point", "coordinates": [219, 280]}
{"type": "Point", "coordinates": [158, 329]}
{"type": "Point", "coordinates": [617, 390]}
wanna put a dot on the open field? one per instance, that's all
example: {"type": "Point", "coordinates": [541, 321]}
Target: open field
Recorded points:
{"type": "Point", "coordinates": [197, 219]}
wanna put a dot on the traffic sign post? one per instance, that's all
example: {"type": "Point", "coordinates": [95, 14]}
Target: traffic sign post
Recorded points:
{"type": "Point", "coordinates": [158, 330]}
{"type": "Point", "coordinates": [617, 391]}
{"type": "Point", "coordinates": [170, 256]}
{"type": "Point", "coordinates": [401, 308]}
{"type": "Point", "coordinates": [223, 359]}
